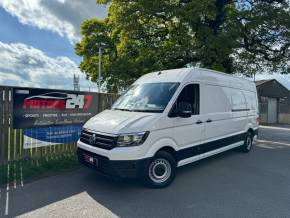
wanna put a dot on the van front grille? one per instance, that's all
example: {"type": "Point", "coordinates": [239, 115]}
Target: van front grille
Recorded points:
{"type": "Point", "coordinates": [104, 141]}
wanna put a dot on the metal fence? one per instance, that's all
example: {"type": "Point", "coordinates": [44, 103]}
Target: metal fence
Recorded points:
{"type": "Point", "coordinates": [11, 140]}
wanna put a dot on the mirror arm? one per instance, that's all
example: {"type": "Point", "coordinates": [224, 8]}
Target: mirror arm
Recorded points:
{"type": "Point", "coordinates": [172, 114]}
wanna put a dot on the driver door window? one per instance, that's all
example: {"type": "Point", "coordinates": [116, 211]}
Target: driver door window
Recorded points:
{"type": "Point", "coordinates": [189, 94]}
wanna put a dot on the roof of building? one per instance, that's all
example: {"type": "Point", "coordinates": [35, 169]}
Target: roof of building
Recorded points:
{"type": "Point", "coordinates": [260, 82]}
{"type": "Point", "coordinates": [279, 79]}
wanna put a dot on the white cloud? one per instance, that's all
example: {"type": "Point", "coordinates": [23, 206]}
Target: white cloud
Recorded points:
{"type": "Point", "coordinates": [61, 16]}
{"type": "Point", "coordinates": [23, 65]}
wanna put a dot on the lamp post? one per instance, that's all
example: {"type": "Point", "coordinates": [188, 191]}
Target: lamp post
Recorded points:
{"type": "Point", "coordinates": [101, 45]}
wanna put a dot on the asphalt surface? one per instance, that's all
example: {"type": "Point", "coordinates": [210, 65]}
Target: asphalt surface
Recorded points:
{"type": "Point", "coordinates": [231, 184]}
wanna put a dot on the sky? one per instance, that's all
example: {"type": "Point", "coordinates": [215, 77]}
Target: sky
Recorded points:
{"type": "Point", "coordinates": [37, 40]}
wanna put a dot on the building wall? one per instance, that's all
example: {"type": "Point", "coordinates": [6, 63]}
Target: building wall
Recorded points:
{"type": "Point", "coordinates": [284, 110]}
{"type": "Point", "coordinates": [274, 89]}
{"type": "Point", "coordinates": [263, 109]}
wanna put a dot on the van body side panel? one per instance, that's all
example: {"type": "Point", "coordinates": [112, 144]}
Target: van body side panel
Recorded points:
{"type": "Point", "coordinates": [230, 112]}
{"type": "Point", "coordinates": [216, 110]}
{"type": "Point", "coordinates": [210, 146]}
{"type": "Point", "coordinates": [208, 154]}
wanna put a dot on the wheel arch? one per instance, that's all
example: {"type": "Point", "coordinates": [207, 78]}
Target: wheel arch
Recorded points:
{"type": "Point", "coordinates": [251, 130]}
{"type": "Point", "coordinates": [170, 150]}
{"type": "Point", "coordinates": [167, 145]}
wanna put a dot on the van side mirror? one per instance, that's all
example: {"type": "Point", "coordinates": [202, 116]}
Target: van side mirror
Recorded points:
{"type": "Point", "coordinates": [184, 109]}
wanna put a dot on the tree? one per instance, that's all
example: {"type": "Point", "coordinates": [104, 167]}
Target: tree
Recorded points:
{"type": "Point", "coordinates": [242, 36]}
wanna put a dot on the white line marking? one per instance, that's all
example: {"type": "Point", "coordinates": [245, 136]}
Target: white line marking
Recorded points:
{"type": "Point", "coordinates": [274, 127]}
{"type": "Point", "coordinates": [265, 146]}
{"type": "Point", "coordinates": [7, 191]}
{"type": "Point", "coordinates": [15, 185]}
{"type": "Point", "coordinates": [271, 142]}
{"type": "Point", "coordinates": [7, 200]}
{"type": "Point", "coordinates": [21, 175]}
{"type": "Point", "coordinates": [7, 203]}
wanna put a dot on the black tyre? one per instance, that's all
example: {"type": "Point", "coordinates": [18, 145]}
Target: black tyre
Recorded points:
{"type": "Point", "coordinates": [161, 170]}
{"type": "Point", "coordinates": [248, 143]}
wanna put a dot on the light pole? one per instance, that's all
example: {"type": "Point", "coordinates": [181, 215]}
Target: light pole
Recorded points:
{"type": "Point", "coordinates": [101, 45]}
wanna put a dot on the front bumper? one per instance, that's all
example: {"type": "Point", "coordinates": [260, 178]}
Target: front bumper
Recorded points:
{"type": "Point", "coordinates": [115, 168]}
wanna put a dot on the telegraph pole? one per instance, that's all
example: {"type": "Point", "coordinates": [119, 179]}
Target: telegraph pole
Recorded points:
{"type": "Point", "coordinates": [101, 45]}
{"type": "Point", "coordinates": [100, 67]}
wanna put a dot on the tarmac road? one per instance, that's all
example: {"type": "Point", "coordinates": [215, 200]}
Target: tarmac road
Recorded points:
{"type": "Point", "coordinates": [231, 184]}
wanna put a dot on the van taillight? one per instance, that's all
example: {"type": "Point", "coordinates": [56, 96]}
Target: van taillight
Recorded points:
{"type": "Point", "coordinates": [258, 120]}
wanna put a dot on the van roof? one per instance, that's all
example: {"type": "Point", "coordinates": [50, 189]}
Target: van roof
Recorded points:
{"type": "Point", "coordinates": [184, 75]}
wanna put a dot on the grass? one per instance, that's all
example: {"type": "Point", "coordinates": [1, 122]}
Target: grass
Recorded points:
{"type": "Point", "coordinates": [23, 170]}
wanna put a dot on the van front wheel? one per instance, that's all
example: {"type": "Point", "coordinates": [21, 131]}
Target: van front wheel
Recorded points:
{"type": "Point", "coordinates": [161, 170]}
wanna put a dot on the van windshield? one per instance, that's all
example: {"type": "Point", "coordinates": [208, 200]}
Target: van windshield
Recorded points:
{"type": "Point", "coordinates": [147, 97]}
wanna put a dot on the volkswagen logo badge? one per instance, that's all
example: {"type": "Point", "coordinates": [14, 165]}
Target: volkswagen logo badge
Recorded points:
{"type": "Point", "coordinates": [93, 139]}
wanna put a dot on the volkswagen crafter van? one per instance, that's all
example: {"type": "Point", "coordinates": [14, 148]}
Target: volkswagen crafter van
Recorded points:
{"type": "Point", "coordinates": [169, 119]}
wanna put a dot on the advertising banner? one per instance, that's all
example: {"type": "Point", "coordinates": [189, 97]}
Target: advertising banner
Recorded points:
{"type": "Point", "coordinates": [44, 107]}
{"type": "Point", "coordinates": [40, 137]}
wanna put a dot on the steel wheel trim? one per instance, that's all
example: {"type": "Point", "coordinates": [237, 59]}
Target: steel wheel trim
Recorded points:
{"type": "Point", "coordinates": [160, 164]}
{"type": "Point", "coordinates": [249, 142]}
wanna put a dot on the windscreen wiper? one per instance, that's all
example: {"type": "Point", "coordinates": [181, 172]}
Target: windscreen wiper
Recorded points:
{"type": "Point", "coordinates": [121, 109]}
{"type": "Point", "coordinates": [148, 111]}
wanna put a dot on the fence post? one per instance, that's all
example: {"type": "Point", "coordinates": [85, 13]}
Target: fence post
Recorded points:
{"type": "Point", "coordinates": [6, 129]}
{"type": "Point", "coordinates": [2, 145]}
{"type": "Point", "coordinates": [11, 142]}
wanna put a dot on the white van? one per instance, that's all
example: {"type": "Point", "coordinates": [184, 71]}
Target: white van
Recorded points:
{"type": "Point", "coordinates": [169, 119]}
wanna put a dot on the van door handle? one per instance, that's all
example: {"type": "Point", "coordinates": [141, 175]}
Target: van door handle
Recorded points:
{"type": "Point", "coordinates": [199, 122]}
{"type": "Point", "coordinates": [209, 121]}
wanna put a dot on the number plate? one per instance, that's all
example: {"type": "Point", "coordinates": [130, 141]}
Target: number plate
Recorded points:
{"type": "Point", "coordinates": [91, 160]}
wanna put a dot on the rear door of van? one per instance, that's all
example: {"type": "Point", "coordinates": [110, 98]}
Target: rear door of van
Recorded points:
{"type": "Point", "coordinates": [252, 105]}
{"type": "Point", "coordinates": [239, 111]}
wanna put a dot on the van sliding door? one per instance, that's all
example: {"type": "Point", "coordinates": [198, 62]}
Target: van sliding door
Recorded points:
{"type": "Point", "coordinates": [216, 108]}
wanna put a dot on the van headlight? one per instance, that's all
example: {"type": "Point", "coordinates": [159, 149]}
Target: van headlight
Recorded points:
{"type": "Point", "coordinates": [132, 139]}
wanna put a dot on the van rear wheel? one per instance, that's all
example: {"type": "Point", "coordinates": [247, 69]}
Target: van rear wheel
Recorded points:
{"type": "Point", "coordinates": [161, 170]}
{"type": "Point", "coordinates": [248, 143]}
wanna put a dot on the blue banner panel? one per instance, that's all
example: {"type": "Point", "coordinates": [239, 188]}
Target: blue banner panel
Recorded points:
{"type": "Point", "coordinates": [39, 137]}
